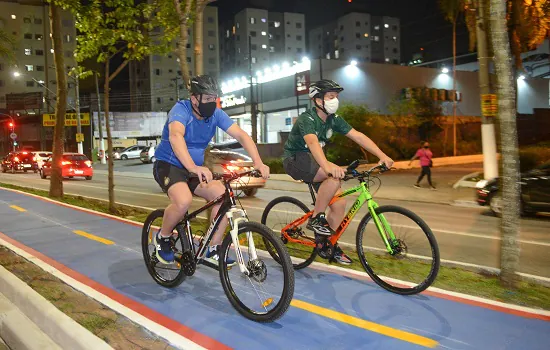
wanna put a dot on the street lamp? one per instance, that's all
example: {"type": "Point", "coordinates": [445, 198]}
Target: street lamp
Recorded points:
{"type": "Point", "coordinates": [445, 70]}
{"type": "Point", "coordinates": [353, 62]}
{"type": "Point", "coordinates": [16, 74]}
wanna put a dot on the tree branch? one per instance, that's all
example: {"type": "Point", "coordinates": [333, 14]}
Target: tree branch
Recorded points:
{"type": "Point", "coordinates": [118, 70]}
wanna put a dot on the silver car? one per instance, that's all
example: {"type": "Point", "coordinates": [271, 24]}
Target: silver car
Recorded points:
{"type": "Point", "coordinates": [147, 155]}
{"type": "Point", "coordinates": [226, 161]}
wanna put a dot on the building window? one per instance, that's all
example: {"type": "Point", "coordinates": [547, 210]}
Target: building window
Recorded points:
{"type": "Point", "coordinates": [169, 56]}
{"type": "Point", "coordinates": [238, 38]}
{"type": "Point", "coordinates": [253, 33]}
{"type": "Point", "coordinates": [386, 25]}
{"type": "Point", "coordinates": [366, 35]}
{"type": "Point", "coordinates": [358, 47]}
{"type": "Point", "coordinates": [238, 50]}
{"type": "Point", "coordinates": [29, 67]}
{"type": "Point", "coordinates": [342, 27]}
{"type": "Point", "coordinates": [299, 37]}
{"type": "Point", "coordinates": [376, 27]}
{"type": "Point", "coordinates": [264, 33]}
{"type": "Point", "coordinates": [38, 21]}
{"type": "Point", "coordinates": [376, 38]}
{"type": "Point", "coordinates": [30, 83]}
{"type": "Point", "coordinates": [272, 49]}
{"type": "Point", "coordinates": [264, 46]}
{"type": "Point", "coordinates": [157, 71]}
{"type": "Point", "coordinates": [298, 25]}
{"type": "Point", "coordinates": [253, 47]}
{"type": "Point", "coordinates": [188, 45]}
{"type": "Point", "coordinates": [13, 17]}
{"type": "Point", "coordinates": [264, 20]}
{"type": "Point", "coordinates": [39, 52]}
{"type": "Point", "coordinates": [26, 20]}
{"type": "Point", "coordinates": [51, 50]}
{"type": "Point", "coordinates": [357, 35]}
{"type": "Point", "coordinates": [238, 25]}
{"type": "Point", "coordinates": [28, 52]}
{"type": "Point", "coordinates": [188, 59]}
{"type": "Point", "coordinates": [289, 49]}
{"type": "Point", "coordinates": [27, 36]}
{"type": "Point", "coordinates": [253, 60]}
{"type": "Point", "coordinates": [252, 20]}
{"type": "Point", "coordinates": [38, 36]}
{"type": "Point", "coordinates": [395, 50]}
{"type": "Point", "coordinates": [367, 24]}
{"type": "Point", "coordinates": [66, 22]}
{"type": "Point", "coordinates": [394, 27]}
{"type": "Point", "coordinates": [212, 60]}
{"type": "Point", "coordinates": [342, 50]}
{"type": "Point", "coordinates": [395, 61]}
{"type": "Point", "coordinates": [211, 47]}
{"type": "Point", "coordinates": [159, 100]}
{"type": "Point", "coordinates": [341, 38]}
{"type": "Point", "coordinates": [299, 50]}
{"type": "Point", "coordinates": [67, 38]}
{"type": "Point", "coordinates": [336, 54]}
{"type": "Point", "coordinates": [277, 37]}
{"type": "Point", "coordinates": [39, 68]}
{"type": "Point", "coordinates": [211, 33]}
{"type": "Point", "coordinates": [210, 19]}
{"type": "Point", "coordinates": [394, 38]}
{"type": "Point", "coordinates": [227, 33]}
{"type": "Point", "coordinates": [387, 59]}
{"type": "Point", "coordinates": [358, 24]}
{"type": "Point", "coordinates": [276, 24]}
{"type": "Point", "coordinates": [68, 54]}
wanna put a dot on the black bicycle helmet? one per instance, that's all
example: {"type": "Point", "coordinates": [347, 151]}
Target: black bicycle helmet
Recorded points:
{"type": "Point", "coordinates": [321, 87]}
{"type": "Point", "coordinates": [204, 85]}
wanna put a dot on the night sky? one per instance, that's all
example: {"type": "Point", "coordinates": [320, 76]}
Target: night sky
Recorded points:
{"type": "Point", "coordinates": [422, 24]}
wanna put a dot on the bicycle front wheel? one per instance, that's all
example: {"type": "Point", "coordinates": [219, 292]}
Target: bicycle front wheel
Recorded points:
{"type": "Point", "coordinates": [264, 293]}
{"type": "Point", "coordinates": [414, 262]}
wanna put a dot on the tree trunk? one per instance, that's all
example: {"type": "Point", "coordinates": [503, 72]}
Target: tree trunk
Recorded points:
{"type": "Point", "coordinates": [509, 248]}
{"type": "Point", "coordinates": [56, 181]}
{"type": "Point", "coordinates": [111, 186]}
{"type": "Point", "coordinates": [184, 21]}
{"type": "Point", "coordinates": [454, 90]}
{"type": "Point", "coordinates": [197, 34]}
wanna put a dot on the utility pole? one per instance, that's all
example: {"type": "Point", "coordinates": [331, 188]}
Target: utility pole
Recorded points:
{"type": "Point", "coordinates": [101, 143]}
{"type": "Point", "coordinates": [177, 88]}
{"type": "Point", "coordinates": [78, 122]}
{"type": "Point", "coordinates": [488, 139]}
{"type": "Point", "coordinates": [253, 112]}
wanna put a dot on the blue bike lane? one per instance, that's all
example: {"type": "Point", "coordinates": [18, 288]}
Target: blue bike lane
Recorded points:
{"type": "Point", "coordinates": [331, 307]}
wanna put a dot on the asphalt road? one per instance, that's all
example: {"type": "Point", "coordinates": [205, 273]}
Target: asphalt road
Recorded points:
{"type": "Point", "coordinates": [466, 235]}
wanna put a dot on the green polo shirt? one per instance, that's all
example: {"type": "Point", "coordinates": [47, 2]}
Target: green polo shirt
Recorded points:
{"type": "Point", "coordinates": [310, 123]}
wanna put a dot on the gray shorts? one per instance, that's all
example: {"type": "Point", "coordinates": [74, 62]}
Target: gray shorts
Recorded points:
{"type": "Point", "coordinates": [302, 167]}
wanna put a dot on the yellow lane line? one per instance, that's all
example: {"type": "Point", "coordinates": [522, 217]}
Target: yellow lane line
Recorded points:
{"type": "Point", "coordinates": [18, 208]}
{"type": "Point", "coordinates": [369, 326]}
{"type": "Point", "coordinates": [93, 237]}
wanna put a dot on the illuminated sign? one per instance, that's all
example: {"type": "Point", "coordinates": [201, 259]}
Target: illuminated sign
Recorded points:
{"type": "Point", "coordinates": [70, 119]}
{"type": "Point", "coordinates": [232, 100]}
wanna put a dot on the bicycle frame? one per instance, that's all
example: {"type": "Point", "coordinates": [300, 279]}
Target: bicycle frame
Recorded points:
{"type": "Point", "coordinates": [364, 197]}
{"type": "Point", "coordinates": [228, 208]}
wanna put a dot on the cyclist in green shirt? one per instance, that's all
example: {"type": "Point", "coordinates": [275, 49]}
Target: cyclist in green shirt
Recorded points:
{"type": "Point", "coordinates": [304, 158]}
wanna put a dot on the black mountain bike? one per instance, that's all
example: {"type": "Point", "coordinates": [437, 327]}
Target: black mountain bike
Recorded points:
{"type": "Point", "coordinates": [268, 298]}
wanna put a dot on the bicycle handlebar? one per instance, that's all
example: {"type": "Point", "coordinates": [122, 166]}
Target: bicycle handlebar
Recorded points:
{"type": "Point", "coordinates": [351, 173]}
{"type": "Point", "coordinates": [233, 176]}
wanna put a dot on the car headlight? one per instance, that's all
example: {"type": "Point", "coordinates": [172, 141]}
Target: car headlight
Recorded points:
{"type": "Point", "coordinates": [481, 184]}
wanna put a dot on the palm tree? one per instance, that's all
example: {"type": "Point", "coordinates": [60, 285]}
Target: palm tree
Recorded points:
{"type": "Point", "coordinates": [451, 10]}
{"type": "Point", "coordinates": [7, 46]}
{"type": "Point", "coordinates": [509, 248]}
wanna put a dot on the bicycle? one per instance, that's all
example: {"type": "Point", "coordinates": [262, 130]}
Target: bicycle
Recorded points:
{"type": "Point", "coordinates": [390, 252]}
{"type": "Point", "coordinates": [190, 250]}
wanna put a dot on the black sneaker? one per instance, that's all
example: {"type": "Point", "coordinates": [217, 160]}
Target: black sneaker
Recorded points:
{"type": "Point", "coordinates": [319, 225]}
{"type": "Point", "coordinates": [341, 257]}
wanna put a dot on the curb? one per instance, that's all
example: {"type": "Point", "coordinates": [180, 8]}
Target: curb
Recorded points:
{"type": "Point", "coordinates": [60, 329]}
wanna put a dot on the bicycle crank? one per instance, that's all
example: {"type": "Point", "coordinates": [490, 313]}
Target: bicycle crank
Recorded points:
{"type": "Point", "coordinates": [324, 247]}
{"type": "Point", "coordinates": [187, 261]}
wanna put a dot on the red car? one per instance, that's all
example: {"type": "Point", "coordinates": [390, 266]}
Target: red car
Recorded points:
{"type": "Point", "coordinates": [73, 164]}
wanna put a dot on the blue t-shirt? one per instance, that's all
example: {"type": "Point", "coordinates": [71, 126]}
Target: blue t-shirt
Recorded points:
{"type": "Point", "coordinates": [198, 133]}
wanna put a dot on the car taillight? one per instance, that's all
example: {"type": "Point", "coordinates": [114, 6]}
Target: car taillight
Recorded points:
{"type": "Point", "coordinates": [88, 163]}
{"type": "Point", "coordinates": [231, 168]}
{"type": "Point", "coordinates": [16, 159]}
{"type": "Point", "coordinates": [65, 162]}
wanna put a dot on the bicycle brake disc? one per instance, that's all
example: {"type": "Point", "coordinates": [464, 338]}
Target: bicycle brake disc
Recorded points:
{"type": "Point", "coordinates": [258, 270]}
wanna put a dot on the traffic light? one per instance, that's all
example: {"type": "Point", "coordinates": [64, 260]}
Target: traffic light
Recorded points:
{"type": "Point", "coordinates": [11, 125]}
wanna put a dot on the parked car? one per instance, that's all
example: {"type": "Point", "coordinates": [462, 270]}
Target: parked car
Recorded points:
{"type": "Point", "coordinates": [72, 164]}
{"type": "Point", "coordinates": [534, 195]}
{"type": "Point", "coordinates": [132, 152]}
{"type": "Point", "coordinates": [41, 157]}
{"type": "Point", "coordinates": [147, 155]}
{"type": "Point", "coordinates": [226, 161]}
{"type": "Point", "coordinates": [19, 161]}
{"type": "Point", "coordinates": [116, 152]}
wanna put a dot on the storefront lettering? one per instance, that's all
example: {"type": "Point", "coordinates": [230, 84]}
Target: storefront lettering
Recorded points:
{"type": "Point", "coordinates": [232, 100]}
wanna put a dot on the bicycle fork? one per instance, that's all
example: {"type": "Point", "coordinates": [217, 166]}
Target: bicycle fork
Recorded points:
{"type": "Point", "coordinates": [382, 226]}
{"type": "Point", "coordinates": [235, 222]}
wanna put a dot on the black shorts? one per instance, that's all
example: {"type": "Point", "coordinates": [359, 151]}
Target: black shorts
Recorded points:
{"type": "Point", "coordinates": [302, 167]}
{"type": "Point", "coordinates": [167, 174]}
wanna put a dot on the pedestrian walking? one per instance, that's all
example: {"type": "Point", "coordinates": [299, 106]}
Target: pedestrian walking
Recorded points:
{"type": "Point", "coordinates": [424, 154]}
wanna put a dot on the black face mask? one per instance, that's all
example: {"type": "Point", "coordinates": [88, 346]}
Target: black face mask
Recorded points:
{"type": "Point", "coordinates": [207, 109]}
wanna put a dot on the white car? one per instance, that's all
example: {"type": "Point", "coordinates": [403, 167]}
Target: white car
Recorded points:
{"type": "Point", "coordinates": [147, 155]}
{"type": "Point", "coordinates": [41, 157]}
{"type": "Point", "coordinates": [131, 152]}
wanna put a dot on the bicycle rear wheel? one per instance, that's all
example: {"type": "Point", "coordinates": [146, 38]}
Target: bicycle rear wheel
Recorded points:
{"type": "Point", "coordinates": [167, 275]}
{"type": "Point", "coordinates": [265, 293]}
{"type": "Point", "coordinates": [278, 214]}
{"type": "Point", "coordinates": [415, 263]}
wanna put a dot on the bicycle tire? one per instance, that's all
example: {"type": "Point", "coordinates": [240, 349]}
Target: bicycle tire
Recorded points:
{"type": "Point", "coordinates": [286, 265]}
{"type": "Point", "coordinates": [159, 213]}
{"type": "Point", "coordinates": [431, 239]}
{"type": "Point", "coordinates": [305, 209]}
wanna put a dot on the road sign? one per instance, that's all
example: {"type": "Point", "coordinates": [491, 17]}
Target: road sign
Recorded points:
{"type": "Point", "coordinates": [70, 119]}
{"type": "Point", "coordinates": [13, 136]}
{"type": "Point", "coordinates": [489, 105]}
{"type": "Point", "coordinates": [79, 137]}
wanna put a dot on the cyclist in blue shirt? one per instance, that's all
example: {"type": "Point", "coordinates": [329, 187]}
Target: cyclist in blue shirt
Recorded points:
{"type": "Point", "coordinates": [190, 126]}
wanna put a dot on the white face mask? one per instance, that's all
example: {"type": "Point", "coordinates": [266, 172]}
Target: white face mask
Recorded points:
{"type": "Point", "coordinates": [331, 106]}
